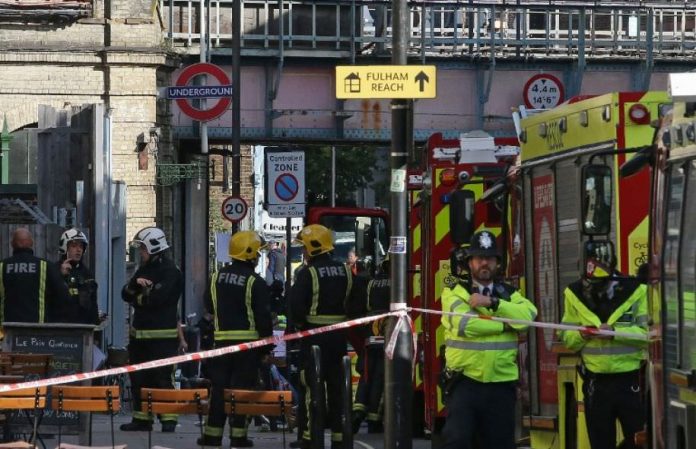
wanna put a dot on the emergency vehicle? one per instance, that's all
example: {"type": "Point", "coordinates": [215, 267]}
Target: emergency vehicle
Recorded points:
{"type": "Point", "coordinates": [445, 210]}
{"type": "Point", "coordinates": [562, 152]}
{"type": "Point", "coordinates": [444, 196]}
{"type": "Point", "coordinates": [671, 378]}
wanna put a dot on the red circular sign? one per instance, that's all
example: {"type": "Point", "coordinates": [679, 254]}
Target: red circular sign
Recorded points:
{"type": "Point", "coordinates": [543, 91]}
{"type": "Point", "coordinates": [234, 208]}
{"type": "Point", "coordinates": [203, 68]}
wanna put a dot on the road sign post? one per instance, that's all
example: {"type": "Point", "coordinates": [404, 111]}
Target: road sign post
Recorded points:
{"type": "Point", "coordinates": [386, 81]}
{"type": "Point", "coordinates": [234, 209]}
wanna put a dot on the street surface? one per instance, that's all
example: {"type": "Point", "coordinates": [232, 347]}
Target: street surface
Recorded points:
{"type": "Point", "coordinates": [187, 432]}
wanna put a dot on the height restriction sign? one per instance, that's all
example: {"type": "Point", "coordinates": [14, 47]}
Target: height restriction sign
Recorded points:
{"type": "Point", "coordinates": [285, 183]}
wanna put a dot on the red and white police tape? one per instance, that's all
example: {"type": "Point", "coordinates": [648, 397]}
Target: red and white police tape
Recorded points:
{"type": "Point", "coordinates": [194, 356]}
{"type": "Point", "coordinates": [399, 310]}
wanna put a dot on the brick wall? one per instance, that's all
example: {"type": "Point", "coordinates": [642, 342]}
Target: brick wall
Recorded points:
{"type": "Point", "coordinates": [116, 57]}
{"type": "Point", "coordinates": [217, 196]}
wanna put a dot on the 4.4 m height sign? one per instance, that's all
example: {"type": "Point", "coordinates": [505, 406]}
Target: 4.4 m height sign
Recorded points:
{"type": "Point", "coordinates": [285, 183]}
{"type": "Point", "coordinates": [543, 91]}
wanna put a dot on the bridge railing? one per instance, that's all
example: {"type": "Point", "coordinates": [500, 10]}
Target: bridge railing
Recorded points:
{"type": "Point", "coordinates": [339, 28]}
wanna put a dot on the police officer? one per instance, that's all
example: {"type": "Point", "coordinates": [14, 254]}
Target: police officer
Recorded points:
{"type": "Point", "coordinates": [31, 288]}
{"type": "Point", "coordinates": [80, 280]}
{"type": "Point", "coordinates": [318, 299]}
{"type": "Point", "coordinates": [369, 394]}
{"type": "Point", "coordinates": [239, 304]}
{"type": "Point", "coordinates": [610, 364]}
{"type": "Point", "coordinates": [153, 292]}
{"type": "Point", "coordinates": [481, 355]}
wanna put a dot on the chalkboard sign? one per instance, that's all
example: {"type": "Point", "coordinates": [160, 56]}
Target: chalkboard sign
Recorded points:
{"type": "Point", "coordinates": [70, 346]}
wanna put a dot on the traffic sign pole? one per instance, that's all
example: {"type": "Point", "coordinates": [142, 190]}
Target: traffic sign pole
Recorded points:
{"type": "Point", "coordinates": [398, 388]}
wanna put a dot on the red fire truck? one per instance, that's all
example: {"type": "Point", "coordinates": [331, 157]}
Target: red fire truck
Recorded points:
{"type": "Point", "coordinates": [445, 209]}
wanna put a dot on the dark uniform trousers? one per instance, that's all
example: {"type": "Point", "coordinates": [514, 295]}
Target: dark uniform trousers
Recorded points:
{"type": "Point", "coordinates": [481, 415]}
{"type": "Point", "coordinates": [333, 347]}
{"type": "Point", "coordinates": [144, 350]}
{"type": "Point", "coordinates": [368, 395]}
{"type": "Point", "coordinates": [609, 397]}
{"type": "Point", "coordinates": [236, 370]}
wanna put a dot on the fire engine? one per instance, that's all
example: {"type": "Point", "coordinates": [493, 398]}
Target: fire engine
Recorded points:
{"type": "Point", "coordinates": [562, 152]}
{"type": "Point", "coordinates": [671, 378]}
{"type": "Point", "coordinates": [444, 211]}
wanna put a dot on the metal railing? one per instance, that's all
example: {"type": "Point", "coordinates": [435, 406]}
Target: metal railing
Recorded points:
{"type": "Point", "coordinates": [529, 28]}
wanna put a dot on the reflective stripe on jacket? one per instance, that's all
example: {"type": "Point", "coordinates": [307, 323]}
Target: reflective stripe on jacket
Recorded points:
{"type": "Point", "coordinates": [239, 302]}
{"type": "Point", "coordinates": [481, 349]}
{"type": "Point", "coordinates": [616, 355]}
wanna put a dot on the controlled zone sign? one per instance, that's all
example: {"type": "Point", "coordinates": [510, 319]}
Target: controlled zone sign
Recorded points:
{"type": "Point", "coordinates": [386, 81]}
{"type": "Point", "coordinates": [234, 208]}
{"type": "Point", "coordinates": [182, 92]}
{"type": "Point", "coordinates": [285, 183]}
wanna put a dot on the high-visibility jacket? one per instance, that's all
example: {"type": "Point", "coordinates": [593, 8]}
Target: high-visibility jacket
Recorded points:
{"type": "Point", "coordinates": [482, 349]}
{"type": "Point", "coordinates": [32, 290]}
{"type": "Point", "coordinates": [320, 293]}
{"type": "Point", "coordinates": [239, 302]}
{"type": "Point", "coordinates": [156, 309]}
{"type": "Point", "coordinates": [629, 314]}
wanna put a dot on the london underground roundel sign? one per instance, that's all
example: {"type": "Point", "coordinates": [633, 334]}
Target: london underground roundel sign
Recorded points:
{"type": "Point", "coordinates": [543, 91]}
{"type": "Point", "coordinates": [220, 106]}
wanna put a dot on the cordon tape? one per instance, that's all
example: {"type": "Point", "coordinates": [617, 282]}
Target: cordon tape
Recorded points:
{"type": "Point", "coordinates": [397, 310]}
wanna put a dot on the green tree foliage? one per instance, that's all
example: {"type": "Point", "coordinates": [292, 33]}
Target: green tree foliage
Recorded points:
{"type": "Point", "coordinates": [354, 167]}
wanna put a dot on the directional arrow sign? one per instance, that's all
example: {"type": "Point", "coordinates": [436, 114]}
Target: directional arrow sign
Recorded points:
{"type": "Point", "coordinates": [386, 81]}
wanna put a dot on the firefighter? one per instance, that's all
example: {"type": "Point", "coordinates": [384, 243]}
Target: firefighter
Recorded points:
{"type": "Point", "coordinates": [318, 299]}
{"type": "Point", "coordinates": [80, 280]}
{"type": "Point", "coordinates": [153, 292]}
{"type": "Point", "coordinates": [238, 303]}
{"type": "Point", "coordinates": [479, 380]}
{"type": "Point", "coordinates": [610, 365]}
{"type": "Point", "coordinates": [369, 394]}
{"type": "Point", "coordinates": [31, 288]}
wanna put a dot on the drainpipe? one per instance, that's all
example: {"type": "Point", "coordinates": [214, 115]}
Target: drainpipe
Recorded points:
{"type": "Point", "coordinates": [5, 138]}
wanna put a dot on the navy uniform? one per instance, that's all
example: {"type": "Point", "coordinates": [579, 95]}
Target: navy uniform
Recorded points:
{"type": "Point", "coordinates": [31, 288]}
{"type": "Point", "coordinates": [371, 297]}
{"type": "Point", "coordinates": [153, 292]}
{"type": "Point", "coordinates": [239, 303]}
{"type": "Point", "coordinates": [78, 277]}
{"type": "Point", "coordinates": [317, 299]}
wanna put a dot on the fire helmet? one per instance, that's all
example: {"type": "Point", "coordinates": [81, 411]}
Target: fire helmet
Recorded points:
{"type": "Point", "coordinates": [317, 239]}
{"type": "Point", "coordinates": [71, 235]}
{"type": "Point", "coordinates": [152, 238]}
{"type": "Point", "coordinates": [245, 246]}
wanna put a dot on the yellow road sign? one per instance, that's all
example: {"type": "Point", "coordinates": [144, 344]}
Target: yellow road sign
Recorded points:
{"type": "Point", "coordinates": [386, 81]}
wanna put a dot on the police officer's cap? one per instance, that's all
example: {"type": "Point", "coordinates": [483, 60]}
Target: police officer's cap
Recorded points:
{"type": "Point", "coordinates": [483, 244]}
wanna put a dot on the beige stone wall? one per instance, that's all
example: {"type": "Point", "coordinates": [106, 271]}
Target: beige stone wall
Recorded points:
{"type": "Point", "coordinates": [116, 57]}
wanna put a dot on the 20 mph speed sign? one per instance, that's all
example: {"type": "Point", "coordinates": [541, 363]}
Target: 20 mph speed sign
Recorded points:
{"type": "Point", "coordinates": [234, 208]}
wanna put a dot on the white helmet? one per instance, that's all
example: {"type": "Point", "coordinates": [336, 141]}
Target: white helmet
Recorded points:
{"type": "Point", "coordinates": [153, 239]}
{"type": "Point", "coordinates": [71, 235]}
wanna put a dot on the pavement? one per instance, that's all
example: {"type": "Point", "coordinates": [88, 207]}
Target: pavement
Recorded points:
{"type": "Point", "coordinates": [188, 431]}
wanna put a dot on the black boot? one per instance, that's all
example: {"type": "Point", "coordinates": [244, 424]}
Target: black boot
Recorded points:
{"type": "Point", "coordinates": [208, 441]}
{"type": "Point", "coordinates": [241, 442]}
{"type": "Point", "coordinates": [137, 425]}
{"type": "Point", "coordinates": [168, 426]}
{"type": "Point", "coordinates": [300, 444]}
{"type": "Point", "coordinates": [358, 417]}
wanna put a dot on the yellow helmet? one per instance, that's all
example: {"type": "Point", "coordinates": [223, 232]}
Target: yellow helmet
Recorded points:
{"type": "Point", "coordinates": [317, 239]}
{"type": "Point", "coordinates": [245, 246]}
